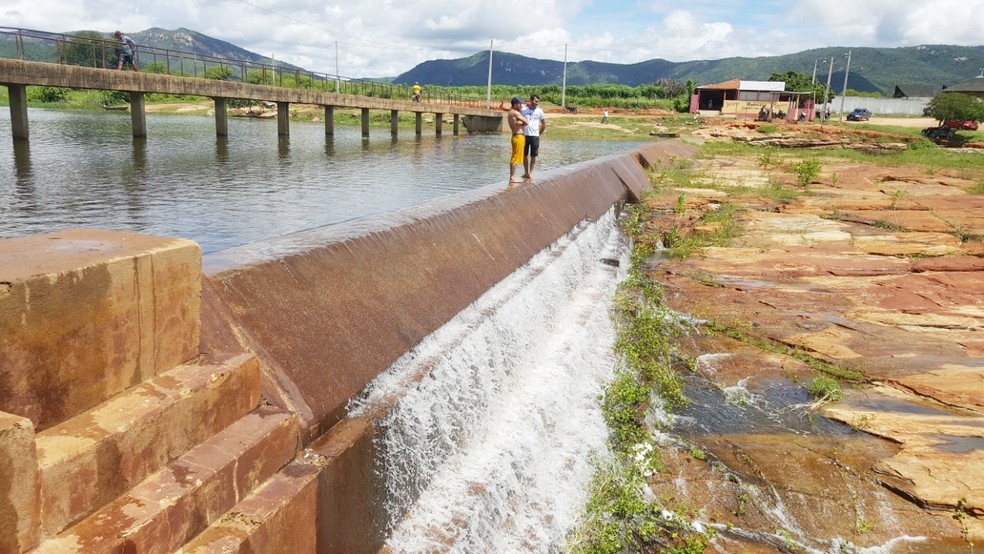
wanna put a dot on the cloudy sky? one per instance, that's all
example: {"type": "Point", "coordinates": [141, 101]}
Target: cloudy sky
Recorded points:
{"type": "Point", "coordinates": [382, 38]}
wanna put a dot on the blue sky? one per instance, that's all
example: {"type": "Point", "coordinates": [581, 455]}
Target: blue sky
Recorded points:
{"type": "Point", "coordinates": [379, 38]}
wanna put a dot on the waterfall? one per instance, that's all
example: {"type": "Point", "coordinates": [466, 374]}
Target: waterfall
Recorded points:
{"type": "Point", "coordinates": [491, 443]}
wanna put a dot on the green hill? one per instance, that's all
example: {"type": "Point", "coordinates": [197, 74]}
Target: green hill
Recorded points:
{"type": "Point", "coordinates": [872, 69]}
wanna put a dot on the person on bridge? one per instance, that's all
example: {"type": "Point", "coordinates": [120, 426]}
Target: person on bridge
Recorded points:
{"type": "Point", "coordinates": [518, 141]}
{"type": "Point", "coordinates": [534, 129]}
{"type": "Point", "coordinates": [125, 51]}
{"type": "Point", "coordinates": [416, 89]}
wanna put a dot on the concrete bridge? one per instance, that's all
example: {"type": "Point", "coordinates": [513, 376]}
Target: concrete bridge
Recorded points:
{"type": "Point", "coordinates": [17, 75]}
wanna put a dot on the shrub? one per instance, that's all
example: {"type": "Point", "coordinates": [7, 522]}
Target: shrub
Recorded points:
{"type": "Point", "coordinates": [806, 171]}
{"type": "Point", "coordinates": [824, 389]}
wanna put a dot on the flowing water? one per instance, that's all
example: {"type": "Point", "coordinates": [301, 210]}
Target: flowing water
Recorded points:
{"type": "Point", "coordinates": [84, 169]}
{"type": "Point", "coordinates": [491, 444]}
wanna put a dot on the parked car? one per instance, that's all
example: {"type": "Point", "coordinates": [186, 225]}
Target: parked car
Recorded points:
{"type": "Point", "coordinates": [859, 114]}
{"type": "Point", "coordinates": [966, 124]}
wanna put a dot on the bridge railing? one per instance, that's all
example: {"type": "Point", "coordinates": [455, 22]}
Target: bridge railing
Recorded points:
{"type": "Point", "coordinates": [90, 49]}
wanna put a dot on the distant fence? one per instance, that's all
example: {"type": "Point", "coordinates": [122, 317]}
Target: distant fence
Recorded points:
{"type": "Point", "coordinates": [882, 106]}
{"type": "Point", "coordinates": [91, 51]}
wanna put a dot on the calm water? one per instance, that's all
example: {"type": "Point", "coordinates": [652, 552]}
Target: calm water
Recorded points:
{"type": "Point", "coordinates": [83, 169]}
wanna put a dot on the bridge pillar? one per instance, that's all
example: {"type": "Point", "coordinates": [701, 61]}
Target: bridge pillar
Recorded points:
{"type": "Point", "coordinates": [138, 116]}
{"type": "Point", "coordinates": [365, 122]}
{"type": "Point", "coordinates": [329, 120]}
{"type": "Point", "coordinates": [419, 123]}
{"type": "Point", "coordinates": [438, 120]}
{"type": "Point", "coordinates": [221, 118]}
{"type": "Point", "coordinates": [454, 126]}
{"type": "Point", "coordinates": [394, 122]}
{"type": "Point", "coordinates": [18, 111]}
{"type": "Point", "coordinates": [283, 119]}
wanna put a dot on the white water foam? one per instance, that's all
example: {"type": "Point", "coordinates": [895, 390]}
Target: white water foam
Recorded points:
{"type": "Point", "coordinates": [490, 446]}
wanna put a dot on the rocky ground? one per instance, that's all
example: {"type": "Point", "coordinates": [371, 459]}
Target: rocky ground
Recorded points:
{"type": "Point", "coordinates": [877, 271]}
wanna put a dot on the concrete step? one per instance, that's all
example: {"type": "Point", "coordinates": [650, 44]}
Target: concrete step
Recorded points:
{"type": "Point", "coordinates": [281, 516]}
{"type": "Point", "coordinates": [91, 459]}
{"type": "Point", "coordinates": [175, 504]}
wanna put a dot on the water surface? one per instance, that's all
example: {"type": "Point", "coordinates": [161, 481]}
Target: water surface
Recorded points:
{"type": "Point", "coordinates": [84, 169]}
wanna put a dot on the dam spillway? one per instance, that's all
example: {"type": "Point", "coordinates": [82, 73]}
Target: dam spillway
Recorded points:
{"type": "Point", "coordinates": [288, 332]}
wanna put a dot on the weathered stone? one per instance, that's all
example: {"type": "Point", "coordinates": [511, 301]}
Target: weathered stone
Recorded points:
{"type": "Point", "coordinates": [279, 517]}
{"type": "Point", "coordinates": [868, 273]}
{"type": "Point", "coordinates": [165, 511]}
{"type": "Point", "coordinates": [90, 460]}
{"type": "Point", "coordinates": [85, 314]}
{"type": "Point", "coordinates": [20, 485]}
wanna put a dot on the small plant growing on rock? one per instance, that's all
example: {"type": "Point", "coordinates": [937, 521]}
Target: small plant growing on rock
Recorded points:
{"type": "Point", "coordinates": [681, 205]}
{"type": "Point", "coordinates": [824, 389]}
{"type": "Point", "coordinates": [769, 159]}
{"type": "Point", "coordinates": [806, 171]}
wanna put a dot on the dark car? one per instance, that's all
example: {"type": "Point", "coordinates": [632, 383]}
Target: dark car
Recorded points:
{"type": "Point", "coordinates": [965, 124]}
{"type": "Point", "coordinates": [859, 114]}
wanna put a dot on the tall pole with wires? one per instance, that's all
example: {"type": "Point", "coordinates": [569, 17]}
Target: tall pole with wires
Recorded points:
{"type": "Point", "coordinates": [826, 91]}
{"type": "Point", "coordinates": [488, 91]}
{"type": "Point", "coordinates": [563, 83]}
{"type": "Point", "coordinates": [338, 80]}
{"type": "Point", "coordinates": [847, 70]}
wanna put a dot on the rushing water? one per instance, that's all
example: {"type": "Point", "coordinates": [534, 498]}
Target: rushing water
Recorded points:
{"type": "Point", "coordinates": [84, 169]}
{"type": "Point", "coordinates": [490, 446]}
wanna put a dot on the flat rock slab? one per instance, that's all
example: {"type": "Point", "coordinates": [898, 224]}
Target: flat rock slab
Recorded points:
{"type": "Point", "coordinates": [876, 270]}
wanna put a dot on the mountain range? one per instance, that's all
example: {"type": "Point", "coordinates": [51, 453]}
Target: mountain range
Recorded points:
{"type": "Point", "coordinates": [871, 70]}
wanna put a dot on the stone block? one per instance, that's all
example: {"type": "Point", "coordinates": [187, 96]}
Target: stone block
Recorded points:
{"type": "Point", "coordinates": [175, 504]}
{"type": "Point", "coordinates": [90, 460]}
{"type": "Point", "coordinates": [20, 485]}
{"type": "Point", "coordinates": [85, 314]}
{"type": "Point", "coordinates": [279, 517]}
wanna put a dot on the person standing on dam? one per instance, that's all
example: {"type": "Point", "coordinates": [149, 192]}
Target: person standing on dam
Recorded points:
{"type": "Point", "coordinates": [518, 140]}
{"type": "Point", "coordinates": [534, 129]}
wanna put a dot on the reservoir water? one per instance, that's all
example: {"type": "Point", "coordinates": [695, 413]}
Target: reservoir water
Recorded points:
{"type": "Point", "coordinates": [84, 169]}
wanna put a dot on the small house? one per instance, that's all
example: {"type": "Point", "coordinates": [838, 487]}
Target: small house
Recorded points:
{"type": "Point", "coordinates": [762, 100]}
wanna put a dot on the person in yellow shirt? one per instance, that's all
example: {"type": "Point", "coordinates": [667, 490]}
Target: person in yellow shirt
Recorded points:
{"type": "Point", "coordinates": [416, 89]}
{"type": "Point", "coordinates": [518, 141]}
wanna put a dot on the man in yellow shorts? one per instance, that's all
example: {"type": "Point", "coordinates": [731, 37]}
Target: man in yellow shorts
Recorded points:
{"type": "Point", "coordinates": [516, 123]}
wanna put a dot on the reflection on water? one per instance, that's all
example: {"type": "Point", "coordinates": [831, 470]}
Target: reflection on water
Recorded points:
{"type": "Point", "coordinates": [83, 169]}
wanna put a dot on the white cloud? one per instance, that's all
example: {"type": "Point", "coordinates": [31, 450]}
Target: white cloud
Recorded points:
{"type": "Point", "coordinates": [386, 37]}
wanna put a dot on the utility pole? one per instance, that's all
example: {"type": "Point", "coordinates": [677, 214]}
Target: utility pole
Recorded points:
{"type": "Point", "coordinates": [847, 70]}
{"type": "Point", "coordinates": [563, 84]}
{"type": "Point", "coordinates": [826, 91]}
{"type": "Point", "coordinates": [814, 81]}
{"type": "Point", "coordinates": [338, 80]}
{"type": "Point", "coordinates": [488, 92]}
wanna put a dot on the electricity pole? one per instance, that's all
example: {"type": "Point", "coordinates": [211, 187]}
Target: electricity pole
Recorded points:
{"type": "Point", "coordinates": [488, 93]}
{"type": "Point", "coordinates": [826, 91]}
{"type": "Point", "coordinates": [563, 85]}
{"type": "Point", "coordinates": [844, 93]}
{"type": "Point", "coordinates": [338, 80]}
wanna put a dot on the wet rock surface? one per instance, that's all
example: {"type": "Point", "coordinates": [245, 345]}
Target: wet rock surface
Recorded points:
{"type": "Point", "coordinates": [874, 270]}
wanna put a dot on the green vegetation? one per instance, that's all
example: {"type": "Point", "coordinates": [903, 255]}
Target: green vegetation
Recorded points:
{"type": "Point", "coordinates": [620, 515]}
{"type": "Point", "coordinates": [799, 82]}
{"type": "Point", "coordinates": [953, 105]}
{"type": "Point", "coordinates": [824, 389]}
{"type": "Point", "coordinates": [806, 171]}
{"type": "Point", "coordinates": [931, 157]}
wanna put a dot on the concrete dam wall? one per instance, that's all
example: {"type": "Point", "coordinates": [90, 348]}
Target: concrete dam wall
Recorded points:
{"type": "Point", "coordinates": [118, 434]}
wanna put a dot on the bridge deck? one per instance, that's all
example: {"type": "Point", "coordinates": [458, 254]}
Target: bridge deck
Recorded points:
{"type": "Point", "coordinates": [17, 74]}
